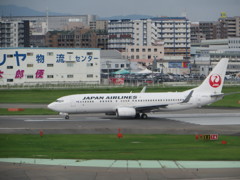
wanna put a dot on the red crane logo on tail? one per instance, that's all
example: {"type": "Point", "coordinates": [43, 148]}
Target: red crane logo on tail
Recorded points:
{"type": "Point", "coordinates": [215, 80]}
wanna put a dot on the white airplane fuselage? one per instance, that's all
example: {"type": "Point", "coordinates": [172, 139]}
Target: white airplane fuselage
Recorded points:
{"type": "Point", "coordinates": [134, 104]}
{"type": "Point", "coordinates": [109, 103]}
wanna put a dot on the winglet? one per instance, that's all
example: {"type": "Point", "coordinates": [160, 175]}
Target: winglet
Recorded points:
{"type": "Point", "coordinates": [143, 89]}
{"type": "Point", "coordinates": [188, 97]}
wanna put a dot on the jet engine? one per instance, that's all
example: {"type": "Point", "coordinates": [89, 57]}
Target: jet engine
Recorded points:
{"type": "Point", "coordinates": [126, 112]}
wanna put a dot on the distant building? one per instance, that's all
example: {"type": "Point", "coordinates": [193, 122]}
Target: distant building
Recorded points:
{"type": "Point", "coordinates": [144, 52]}
{"type": "Point", "coordinates": [120, 34]}
{"type": "Point", "coordinates": [14, 33]}
{"type": "Point", "coordinates": [111, 61]}
{"type": "Point", "coordinates": [173, 31]}
{"type": "Point", "coordinates": [54, 23]}
{"type": "Point", "coordinates": [79, 38]}
{"type": "Point", "coordinates": [99, 25]}
{"type": "Point", "coordinates": [232, 24]}
{"type": "Point", "coordinates": [224, 28]}
{"type": "Point", "coordinates": [31, 66]}
{"type": "Point", "coordinates": [174, 64]}
{"type": "Point", "coordinates": [37, 41]}
{"type": "Point", "coordinates": [234, 43]}
{"type": "Point", "coordinates": [209, 52]}
{"type": "Point", "coordinates": [234, 59]}
{"type": "Point", "coordinates": [40, 25]}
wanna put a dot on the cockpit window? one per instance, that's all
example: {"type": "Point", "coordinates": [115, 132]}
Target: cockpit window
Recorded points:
{"type": "Point", "coordinates": [59, 101]}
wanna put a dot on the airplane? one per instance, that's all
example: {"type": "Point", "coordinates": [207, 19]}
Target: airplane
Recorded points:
{"type": "Point", "coordinates": [137, 105]}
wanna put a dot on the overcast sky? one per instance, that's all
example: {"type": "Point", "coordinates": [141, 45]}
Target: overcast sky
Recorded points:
{"type": "Point", "coordinates": [197, 10]}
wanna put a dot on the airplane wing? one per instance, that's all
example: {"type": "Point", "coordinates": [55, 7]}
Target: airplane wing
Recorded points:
{"type": "Point", "coordinates": [150, 108]}
{"type": "Point", "coordinates": [143, 89]}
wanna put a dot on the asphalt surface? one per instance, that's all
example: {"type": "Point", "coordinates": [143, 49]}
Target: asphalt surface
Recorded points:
{"type": "Point", "coordinates": [199, 121]}
{"type": "Point", "coordinates": [9, 171]}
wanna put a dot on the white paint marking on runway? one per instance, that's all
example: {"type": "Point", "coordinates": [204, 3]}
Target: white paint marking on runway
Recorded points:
{"type": "Point", "coordinates": [211, 121]}
{"type": "Point", "coordinates": [12, 128]}
{"type": "Point", "coordinates": [55, 118]}
{"type": "Point", "coordinates": [205, 119]}
{"type": "Point", "coordinates": [63, 120]}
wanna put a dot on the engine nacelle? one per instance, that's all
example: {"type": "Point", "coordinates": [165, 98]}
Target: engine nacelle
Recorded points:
{"type": "Point", "coordinates": [126, 112]}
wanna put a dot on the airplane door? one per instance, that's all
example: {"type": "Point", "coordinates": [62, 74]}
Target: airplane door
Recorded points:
{"type": "Point", "coordinates": [73, 104]}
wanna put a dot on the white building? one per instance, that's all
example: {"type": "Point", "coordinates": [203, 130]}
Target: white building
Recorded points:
{"type": "Point", "coordinates": [20, 66]}
{"type": "Point", "coordinates": [209, 52]}
{"type": "Point", "coordinates": [120, 34]}
{"type": "Point", "coordinates": [173, 31]}
{"type": "Point", "coordinates": [112, 61]}
{"type": "Point", "coordinates": [144, 52]}
{"type": "Point", "coordinates": [234, 43]}
{"type": "Point", "coordinates": [145, 32]}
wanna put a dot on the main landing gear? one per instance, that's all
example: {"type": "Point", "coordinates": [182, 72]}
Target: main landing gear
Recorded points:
{"type": "Point", "coordinates": [142, 116]}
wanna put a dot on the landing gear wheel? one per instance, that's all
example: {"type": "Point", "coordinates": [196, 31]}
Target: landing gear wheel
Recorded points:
{"type": "Point", "coordinates": [144, 116]}
{"type": "Point", "coordinates": [67, 117]}
{"type": "Point", "coordinates": [137, 116]}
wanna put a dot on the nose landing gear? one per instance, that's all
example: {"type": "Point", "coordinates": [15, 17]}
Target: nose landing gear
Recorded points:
{"type": "Point", "coordinates": [64, 114]}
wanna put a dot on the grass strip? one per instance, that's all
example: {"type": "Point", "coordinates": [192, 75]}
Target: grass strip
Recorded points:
{"type": "Point", "coordinates": [47, 96]}
{"type": "Point", "coordinates": [130, 147]}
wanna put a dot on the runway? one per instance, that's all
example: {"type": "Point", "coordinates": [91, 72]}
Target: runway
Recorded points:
{"type": "Point", "coordinates": [198, 121]}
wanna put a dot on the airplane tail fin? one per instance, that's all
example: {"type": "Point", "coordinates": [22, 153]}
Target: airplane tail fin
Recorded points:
{"type": "Point", "coordinates": [214, 81]}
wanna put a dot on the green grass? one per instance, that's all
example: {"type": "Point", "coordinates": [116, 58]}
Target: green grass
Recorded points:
{"type": "Point", "coordinates": [131, 147]}
{"type": "Point", "coordinates": [47, 96]}
{"type": "Point", "coordinates": [38, 111]}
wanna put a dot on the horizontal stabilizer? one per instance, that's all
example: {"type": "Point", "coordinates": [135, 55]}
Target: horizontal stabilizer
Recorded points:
{"type": "Point", "coordinates": [224, 94]}
{"type": "Point", "coordinates": [218, 95]}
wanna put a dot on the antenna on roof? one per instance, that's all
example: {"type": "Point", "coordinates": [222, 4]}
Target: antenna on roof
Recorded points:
{"type": "Point", "coordinates": [47, 18]}
{"type": "Point", "coordinates": [184, 13]}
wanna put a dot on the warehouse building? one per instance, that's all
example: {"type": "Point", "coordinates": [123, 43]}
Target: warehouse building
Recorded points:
{"type": "Point", "coordinates": [24, 66]}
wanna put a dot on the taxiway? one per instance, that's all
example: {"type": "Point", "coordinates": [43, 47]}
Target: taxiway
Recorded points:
{"type": "Point", "coordinates": [198, 121]}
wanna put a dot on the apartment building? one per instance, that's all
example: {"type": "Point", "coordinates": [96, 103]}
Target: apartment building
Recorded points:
{"type": "Point", "coordinates": [232, 24]}
{"type": "Point", "coordinates": [120, 34]}
{"type": "Point", "coordinates": [224, 28]}
{"type": "Point", "coordinates": [173, 31]}
{"type": "Point", "coordinates": [79, 38]}
{"type": "Point", "coordinates": [14, 33]}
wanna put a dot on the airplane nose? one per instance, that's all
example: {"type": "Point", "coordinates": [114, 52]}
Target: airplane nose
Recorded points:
{"type": "Point", "coordinates": [51, 106]}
